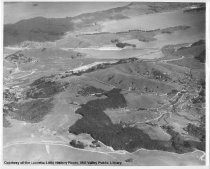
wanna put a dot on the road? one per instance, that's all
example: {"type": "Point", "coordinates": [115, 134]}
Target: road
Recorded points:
{"type": "Point", "coordinates": [168, 60]}
{"type": "Point", "coordinates": [32, 72]}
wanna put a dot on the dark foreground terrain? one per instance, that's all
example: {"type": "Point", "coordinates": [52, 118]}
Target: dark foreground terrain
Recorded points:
{"type": "Point", "coordinates": [96, 123]}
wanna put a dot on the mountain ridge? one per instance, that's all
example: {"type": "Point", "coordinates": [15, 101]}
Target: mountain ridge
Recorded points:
{"type": "Point", "coordinates": [43, 29]}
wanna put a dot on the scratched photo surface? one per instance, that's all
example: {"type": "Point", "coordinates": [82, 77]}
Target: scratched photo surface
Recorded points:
{"type": "Point", "coordinates": [104, 83]}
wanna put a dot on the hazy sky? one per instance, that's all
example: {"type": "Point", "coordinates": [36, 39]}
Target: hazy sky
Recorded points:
{"type": "Point", "coordinates": [14, 12]}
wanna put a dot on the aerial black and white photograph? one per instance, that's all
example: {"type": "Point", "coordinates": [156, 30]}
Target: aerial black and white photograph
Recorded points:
{"type": "Point", "coordinates": [104, 83]}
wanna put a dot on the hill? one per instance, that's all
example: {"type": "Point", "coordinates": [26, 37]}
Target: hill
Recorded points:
{"type": "Point", "coordinates": [36, 29]}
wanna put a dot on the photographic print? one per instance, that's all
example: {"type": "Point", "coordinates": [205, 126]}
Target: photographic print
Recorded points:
{"type": "Point", "coordinates": [104, 83]}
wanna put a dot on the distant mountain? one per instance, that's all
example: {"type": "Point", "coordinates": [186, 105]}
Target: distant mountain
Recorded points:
{"type": "Point", "coordinates": [36, 29]}
{"type": "Point", "coordinates": [201, 57]}
{"type": "Point", "coordinates": [200, 42]}
{"type": "Point", "coordinates": [42, 29]}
